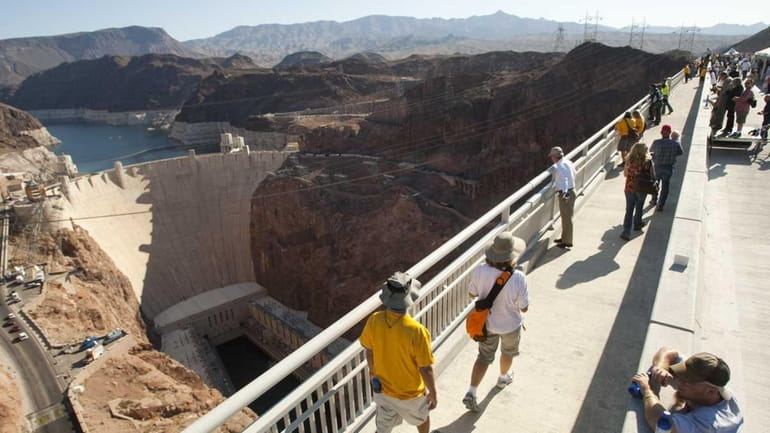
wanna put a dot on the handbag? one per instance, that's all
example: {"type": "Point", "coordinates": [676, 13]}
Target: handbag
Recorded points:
{"type": "Point", "coordinates": [644, 182]}
{"type": "Point", "coordinates": [476, 322]}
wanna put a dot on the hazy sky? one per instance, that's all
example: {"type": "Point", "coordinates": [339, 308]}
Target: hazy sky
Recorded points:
{"type": "Point", "coordinates": [190, 19]}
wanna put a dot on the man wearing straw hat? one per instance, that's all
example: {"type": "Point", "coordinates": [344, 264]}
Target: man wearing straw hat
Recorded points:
{"type": "Point", "coordinates": [398, 352]}
{"type": "Point", "coordinates": [503, 325]}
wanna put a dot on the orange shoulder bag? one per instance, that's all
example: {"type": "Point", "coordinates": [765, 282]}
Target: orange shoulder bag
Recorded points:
{"type": "Point", "coordinates": [475, 323]}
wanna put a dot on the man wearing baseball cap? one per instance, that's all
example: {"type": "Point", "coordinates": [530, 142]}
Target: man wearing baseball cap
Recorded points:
{"type": "Point", "coordinates": [664, 152]}
{"type": "Point", "coordinates": [703, 402]}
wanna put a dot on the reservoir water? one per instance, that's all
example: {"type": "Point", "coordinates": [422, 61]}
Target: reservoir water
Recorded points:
{"type": "Point", "coordinates": [97, 147]}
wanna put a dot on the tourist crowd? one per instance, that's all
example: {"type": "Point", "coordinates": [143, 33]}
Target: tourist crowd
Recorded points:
{"type": "Point", "coordinates": [398, 348]}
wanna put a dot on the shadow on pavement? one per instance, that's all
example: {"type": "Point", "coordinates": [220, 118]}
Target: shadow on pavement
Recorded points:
{"type": "Point", "coordinates": [467, 421]}
{"type": "Point", "coordinates": [606, 400]}
{"type": "Point", "coordinates": [596, 266]}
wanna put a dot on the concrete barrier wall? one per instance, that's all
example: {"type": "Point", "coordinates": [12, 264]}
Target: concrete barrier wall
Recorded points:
{"type": "Point", "coordinates": [120, 118]}
{"type": "Point", "coordinates": [176, 227]}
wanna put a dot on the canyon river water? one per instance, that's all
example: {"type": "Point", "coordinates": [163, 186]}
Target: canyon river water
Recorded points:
{"type": "Point", "coordinates": [97, 147]}
{"type": "Point", "coordinates": [244, 362]}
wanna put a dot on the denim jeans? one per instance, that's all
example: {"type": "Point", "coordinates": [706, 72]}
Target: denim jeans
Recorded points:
{"type": "Point", "coordinates": [634, 205]}
{"type": "Point", "coordinates": [663, 174]}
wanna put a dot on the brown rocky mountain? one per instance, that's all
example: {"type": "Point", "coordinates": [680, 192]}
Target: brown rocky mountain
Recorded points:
{"type": "Point", "coordinates": [87, 295]}
{"type": "Point", "coordinates": [755, 42]}
{"type": "Point", "coordinates": [22, 57]}
{"type": "Point", "coordinates": [115, 83]}
{"type": "Point", "coordinates": [396, 37]}
{"type": "Point", "coordinates": [329, 230]}
{"type": "Point", "coordinates": [238, 98]}
{"type": "Point", "coordinates": [14, 125]}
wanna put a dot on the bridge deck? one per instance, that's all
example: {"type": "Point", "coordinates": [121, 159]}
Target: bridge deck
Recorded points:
{"type": "Point", "coordinates": [591, 307]}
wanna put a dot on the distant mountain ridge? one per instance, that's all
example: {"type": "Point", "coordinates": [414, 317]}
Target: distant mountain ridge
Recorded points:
{"type": "Point", "coordinates": [396, 37]}
{"type": "Point", "coordinates": [22, 57]}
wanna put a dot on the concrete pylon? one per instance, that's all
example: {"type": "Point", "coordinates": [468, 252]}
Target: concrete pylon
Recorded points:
{"type": "Point", "coordinates": [66, 187]}
{"type": "Point", "coordinates": [119, 174]}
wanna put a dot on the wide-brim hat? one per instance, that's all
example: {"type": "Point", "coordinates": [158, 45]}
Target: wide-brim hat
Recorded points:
{"type": "Point", "coordinates": [556, 151]}
{"type": "Point", "coordinates": [505, 248]}
{"type": "Point", "coordinates": [399, 292]}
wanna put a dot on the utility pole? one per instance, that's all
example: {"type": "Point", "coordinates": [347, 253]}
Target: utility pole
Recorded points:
{"type": "Point", "coordinates": [644, 27]}
{"type": "Point", "coordinates": [631, 35]}
{"type": "Point", "coordinates": [559, 45]}
{"type": "Point", "coordinates": [681, 34]}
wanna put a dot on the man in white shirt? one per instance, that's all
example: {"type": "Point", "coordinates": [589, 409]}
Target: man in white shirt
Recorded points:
{"type": "Point", "coordinates": [564, 181]}
{"type": "Point", "coordinates": [503, 324]}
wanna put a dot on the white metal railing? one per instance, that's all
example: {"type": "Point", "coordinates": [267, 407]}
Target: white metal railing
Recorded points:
{"type": "Point", "coordinates": [338, 397]}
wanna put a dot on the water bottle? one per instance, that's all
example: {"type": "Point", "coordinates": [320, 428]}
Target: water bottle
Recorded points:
{"type": "Point", "coordinates": [634, 389]}
{"type": "Point", "coordinates": [664, 423]}
{"type": "Point", "coordinates": [376, 385]}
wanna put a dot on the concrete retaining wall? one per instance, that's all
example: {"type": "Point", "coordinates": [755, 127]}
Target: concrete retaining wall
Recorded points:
{"type": "Point", "coordinates": [177, 227]}
{"type": "Point", "coordinates": [120, 118]}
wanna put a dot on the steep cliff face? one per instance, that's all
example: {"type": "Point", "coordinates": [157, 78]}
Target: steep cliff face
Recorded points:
{"type": "Point", "coordinates": [86, 295]}
{"type": "Point", "coordinates": [23, 146]}
{"type": "Point", "coordinates": [19, 130]}
{"type": "Point", "coordinates": [323, 250]}
{"type": "Point", "coordinates": [482, 133]}
{"type": "Point", "coordinates": [114, 83]}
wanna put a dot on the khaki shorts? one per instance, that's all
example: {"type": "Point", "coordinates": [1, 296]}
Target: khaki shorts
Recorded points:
{"type": "Point", "coordinates": [510, 346]}
{"type": "Point", "coordinates": [392, 411]}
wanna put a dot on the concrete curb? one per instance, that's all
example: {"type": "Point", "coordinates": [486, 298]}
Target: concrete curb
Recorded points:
{"type": "Point", "coordinates": [673, 319]}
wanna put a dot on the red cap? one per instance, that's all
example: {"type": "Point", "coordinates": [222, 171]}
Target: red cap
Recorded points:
{"type": "Point", "coordinates": [665, 129]}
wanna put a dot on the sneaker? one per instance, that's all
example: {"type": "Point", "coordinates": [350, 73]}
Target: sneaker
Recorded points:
{"type": "Point", "coordinates": [470, 402]}
{"type": "Point", "coordinates": [735, 135]}
{"type": "Point", "coordinates": [625, 237]}
{"type": "Point", "coordinates": [504, 381]}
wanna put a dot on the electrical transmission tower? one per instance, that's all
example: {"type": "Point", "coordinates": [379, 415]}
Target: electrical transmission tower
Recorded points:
{"type": "Point", "coordinates": [559, 45]}
{"type": "Point", "coordinates": [687, 36]}
{"type": "Point", "coordinates": [636, 38]}
{"type": "Point", "coordinates": [693, 30]}
{"type": "Point", "coordinates": [591, 27]}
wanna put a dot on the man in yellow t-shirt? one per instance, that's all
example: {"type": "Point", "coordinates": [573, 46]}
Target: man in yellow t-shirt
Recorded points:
{"type": "Point", "coordinates": [400, 359]}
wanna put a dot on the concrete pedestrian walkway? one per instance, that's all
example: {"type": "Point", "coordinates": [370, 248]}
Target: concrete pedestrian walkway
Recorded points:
{"type": "Point", "coordinates": [588, 321]}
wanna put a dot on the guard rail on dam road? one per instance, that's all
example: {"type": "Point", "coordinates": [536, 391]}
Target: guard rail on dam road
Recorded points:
{"type": "Point", "coordinates": [338, 397]}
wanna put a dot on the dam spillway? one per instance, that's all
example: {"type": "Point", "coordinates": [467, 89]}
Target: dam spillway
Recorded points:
{"type": "Point", "coordinates": [178, 227]}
